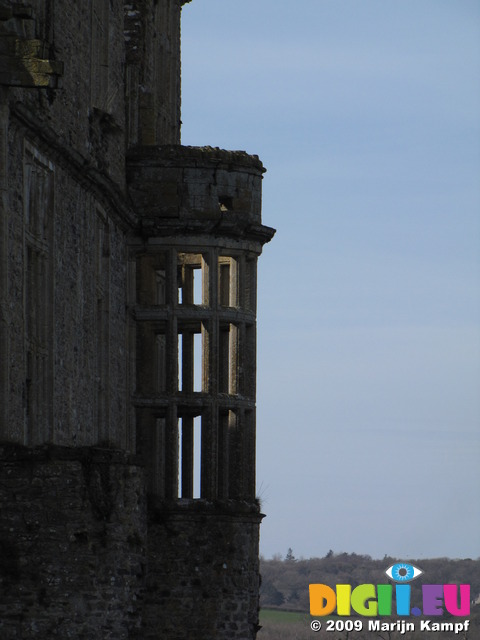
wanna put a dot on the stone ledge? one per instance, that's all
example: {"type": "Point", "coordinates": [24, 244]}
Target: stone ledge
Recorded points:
{"type": "Point", "coordinates": [13, 452]}
{"type": "Point", "coordinates": [230, 508]}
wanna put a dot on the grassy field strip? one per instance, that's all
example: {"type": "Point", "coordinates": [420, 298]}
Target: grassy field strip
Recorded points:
{"type": "Point", "coordinates": [284, 625]}
{"type": "Point", "coordinates": [276, 615]}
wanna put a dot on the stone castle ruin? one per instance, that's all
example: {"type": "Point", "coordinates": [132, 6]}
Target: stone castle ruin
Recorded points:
{"type": "Point", "coordinates": [127, 337]}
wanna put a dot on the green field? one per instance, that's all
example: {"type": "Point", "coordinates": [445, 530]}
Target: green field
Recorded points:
{"type": "Point", "coordinates": [284, 625]}
{"type": "Point", "coordinates": [275, 615]}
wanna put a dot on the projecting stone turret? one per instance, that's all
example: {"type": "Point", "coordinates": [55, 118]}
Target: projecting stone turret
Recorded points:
{"type": "Point", "coordinates": [195, 273]}
{"type": "Point", "coordinates": [194, 265]}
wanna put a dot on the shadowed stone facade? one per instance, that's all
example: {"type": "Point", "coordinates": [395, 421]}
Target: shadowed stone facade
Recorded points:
{"type": "Point", "coordinates": [127, 337]}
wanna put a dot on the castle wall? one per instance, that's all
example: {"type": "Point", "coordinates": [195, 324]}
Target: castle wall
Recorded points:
{"type": "Point", "coordinates": [87, 111]}
{"type": "Point", "coordinates": [203, 572]}
{"type": "Point", "coordinates": [63, 295]}
{"type": "Point", "coordinates": [152, 71]}
{"type": "Point", "coordinates": [72, 544]}
{"type": "Point", "coordinates": [78, 253]}
{"type": "Point", "coordinates": [127, 295]}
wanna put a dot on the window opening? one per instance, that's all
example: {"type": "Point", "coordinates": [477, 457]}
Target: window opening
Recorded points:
{"type": "Point", "coordinates": [181, 448]}
{"type": "Point", "coordinates": [197, 361]}
{"type": "Point", "coordinates": [180, 362]}
{"type": "Point", "coordinates": [197, 286]}
{"type": "Point", "coordinates": [225, 203]}
{"type": "Point", "coordinates": [224, 284]}
{"type": "Point", "coordinates": [223, 359]}
{"type": "Point", "coordinates": [228, 354]}
{"type": "Point", "coordinates": [190, 359]}
{"type": "Point", "coordinates": [190, 278]}
{"type": "Point", "coordinates": [160, 281]}
{"type": "Point", "coordinates": [228, 285]}
{"type": "Point", "coordinates": [197, 457]}
{"type": "Point", "coordinates": [189, 457]}
{"type": "Point", "coordinates": [151, 275]}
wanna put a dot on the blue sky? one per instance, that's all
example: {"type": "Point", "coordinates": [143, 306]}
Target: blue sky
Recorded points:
{"type": "Point", "coordinates": [366, 115]}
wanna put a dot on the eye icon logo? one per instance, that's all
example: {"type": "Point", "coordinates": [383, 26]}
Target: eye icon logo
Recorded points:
{"type": "Point", "coordinates": [403, 572]}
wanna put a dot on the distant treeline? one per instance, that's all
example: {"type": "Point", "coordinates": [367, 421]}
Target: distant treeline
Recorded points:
{"type": "Point", "coordinates": [285, 581]}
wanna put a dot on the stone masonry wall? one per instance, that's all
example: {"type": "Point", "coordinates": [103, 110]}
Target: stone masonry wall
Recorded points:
{"type": "Point", "coordinates": [72, 544]}
{"type": "Point", "coordinates": [203, 183]}
{"type": "Point", "coordinates": [87, 111]}
{"type": "Point", "coordinates": [76, 560]}
{"type": "Point", "coordinates": [203, 573]}
{"type": "Point", "coordinates": [82, 556]}
{"type": "Point", "coordinates": [87, 262]}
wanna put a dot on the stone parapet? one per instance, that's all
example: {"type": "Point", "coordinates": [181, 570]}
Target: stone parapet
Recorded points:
{"type": "Point", "coordinates": [221, 508]}
{"type": "Point", "coordinates": [197, 189]}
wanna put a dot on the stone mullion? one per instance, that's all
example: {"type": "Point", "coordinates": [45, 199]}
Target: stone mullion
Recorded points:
{"type": "Point", "coordinates": [250, 285]}
{"type": "Point", "coordinates": [4, 237]}
{"type": "Point", "coordinates": [131, 350]}
{"type": "Point", "coordinates": [234, 364]}
{"type": "Point", "coordinates": [187, 285]}
{"type": "Point", "coordinates": [249, 455]}
{"type": "Point", "coordinates": [172, 335]}
{"type": "Point", "coordinates": [210, 377]}
{"type": "Point", "coordinates": [171, 453]}
{"type": "Point", "coordinates": [242, 357]}
{"type": "Point", "coordinates": [235, 454]}
{"type": "Point", "coordinates": [159, 447]}
{"type": "Point", "coordinates": [145, 442]}
{"type": "Point", "coordinates": [223, 456]}
{"type": "Point", "coordinates": [48, 319]}
{"type": "Point", "coordinates": [241, 280]}
{"type": "Point", "coordinates": [210, 328]}
{"type": "Point", "coordinates": [171, 426]}
{"type": "Point", "coordinates": [250, 358]}
{"type": "Point", "coordinates": [223, 359]}
{"type": "Point", "coordinates": [235, 282]}
{"type": "Point", "coordinates": [209, 465]}
{"type": "Point", "coordinates": [43, 398]}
